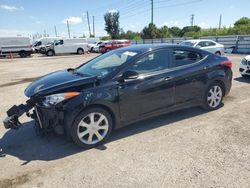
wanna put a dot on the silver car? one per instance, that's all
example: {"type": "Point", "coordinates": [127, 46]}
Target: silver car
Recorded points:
{"type": "Point", "coordinates": [207, 45]}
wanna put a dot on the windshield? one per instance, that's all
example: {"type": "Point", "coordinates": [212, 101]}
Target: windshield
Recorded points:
{"type": "Point", "coordinates": [188, 43]}
{"type": "Point", "coordinates": [107, 63]}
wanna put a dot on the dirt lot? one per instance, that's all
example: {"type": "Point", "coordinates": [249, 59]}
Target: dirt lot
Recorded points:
{"type": "Point", "coordinates": [189, 148]}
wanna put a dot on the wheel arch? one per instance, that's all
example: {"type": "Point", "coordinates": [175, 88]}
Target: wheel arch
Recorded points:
{"type": "Point", "coordinates": [70, 116]}
{"type": "Point", "coordinates": [80, 48]}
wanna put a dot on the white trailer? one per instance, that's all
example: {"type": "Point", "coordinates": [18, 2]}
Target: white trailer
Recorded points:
{"type": "Point", "coordinates": [15, 45]}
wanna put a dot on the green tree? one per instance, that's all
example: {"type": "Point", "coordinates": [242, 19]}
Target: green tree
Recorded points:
{"type": "Point", "coordinates": [164, 32]}
{"type": "Point", "coordinates": [186, 29]}
{"type": "Point", "coordinates": [112, 24]}
{"type": "Point", "coordinates": [131, 35]}
{"type": "Point", "coordinates": [175, 31]}
{"type": "Point", "coordinates": [242, 22]}
{"type": "Point", "coordinates": [150, 32]}
{"type": "Point", "coordinates": [242, 26]}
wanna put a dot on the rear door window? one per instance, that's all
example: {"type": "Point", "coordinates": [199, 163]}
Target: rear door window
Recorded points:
{"type": "Point", "coordinates": [185, 57]}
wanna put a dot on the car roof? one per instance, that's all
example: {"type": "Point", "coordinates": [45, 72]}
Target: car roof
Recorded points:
{"type": "Point", "coordinates": [198, 40]}
{"type": "Point", "coordinates": [150, 47]}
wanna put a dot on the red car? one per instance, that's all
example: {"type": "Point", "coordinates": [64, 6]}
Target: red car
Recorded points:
{"type": "Point", "coordinates": [113, 44]}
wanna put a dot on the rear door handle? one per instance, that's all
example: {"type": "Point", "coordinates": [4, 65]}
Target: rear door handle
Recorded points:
{"type": "Point", "coordinates": [168, 78]}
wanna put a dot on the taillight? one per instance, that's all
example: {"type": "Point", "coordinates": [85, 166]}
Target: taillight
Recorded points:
{"type": "Point", "coordinates": [227, 63]}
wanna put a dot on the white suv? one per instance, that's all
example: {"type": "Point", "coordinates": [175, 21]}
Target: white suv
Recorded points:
{"type": "Point", "coordinates": [245, 66]}
{"type": "Point", "coordinates": [207, 45]}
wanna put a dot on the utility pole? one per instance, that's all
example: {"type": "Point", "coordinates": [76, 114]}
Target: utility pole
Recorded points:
{"type": "Point", "coordinates": [192, 20]}
{"type": "Point", "coordinates": [220, 21]}
{"type": "Point", "coordinates": [88, 24]}
{"type": "Point", "coordinates": [152, 11]}
{"type": "Point", "coordinates": [68, 28]}
{"type": "Point", "coordinates": [45, 34]}
{"type": "Point", "coordinates": [55, 31]}
{"type": "Point", "coordinates": [93, 26]}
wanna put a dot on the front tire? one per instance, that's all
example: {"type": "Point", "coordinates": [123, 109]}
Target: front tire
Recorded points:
{"type": "Point", "coordinates": [23, 54]}
{"type": "Point", "coordinates": [213, 96]}
{"type": "Point", "coordinates": [50, 53]}
{"type": "Point", "coordinates": [91, 128]}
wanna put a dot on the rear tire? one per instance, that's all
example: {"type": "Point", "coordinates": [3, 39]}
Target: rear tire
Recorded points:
{"type": "Point", "coordinates": [91, 128]}
{"type": "Point", "coordinates": [23, 54]}
{"type": "Point", "coordinates": [80, 51]}
{"type": "Point", "coordinates": [213, 97]}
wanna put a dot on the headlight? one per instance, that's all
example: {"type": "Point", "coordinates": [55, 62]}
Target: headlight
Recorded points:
{"type": "Point", "coordinates": [244, 61]}
{"type": "Point", "coordinates": [57, 98]}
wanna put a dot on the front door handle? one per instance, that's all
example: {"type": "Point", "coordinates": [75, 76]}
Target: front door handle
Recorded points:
{"type": "Point", "coordinates": [168, 78]}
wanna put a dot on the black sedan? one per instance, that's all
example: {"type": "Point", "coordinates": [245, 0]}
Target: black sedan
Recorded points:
{"type": "Point", "coordinates": [121, 87]}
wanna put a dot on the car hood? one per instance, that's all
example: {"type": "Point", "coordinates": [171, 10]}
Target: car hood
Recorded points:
{"type": "Point", "coordinates": [56, 81]}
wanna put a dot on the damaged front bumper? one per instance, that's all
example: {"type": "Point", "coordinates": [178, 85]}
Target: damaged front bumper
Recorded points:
{"type": "Point", "coordinates": [45, 118]}
{"type": "Point", "coordinates": [12, 121]}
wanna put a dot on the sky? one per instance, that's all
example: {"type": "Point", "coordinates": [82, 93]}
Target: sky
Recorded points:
{"type": "Point", "coordinates": [29, 17]}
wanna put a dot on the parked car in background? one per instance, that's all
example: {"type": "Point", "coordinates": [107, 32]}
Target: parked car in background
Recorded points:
{"type": "Point", "coordinates": [94, 46]}
{"type": "Point", "coordinates": [121, 87]}
{"type": "Point", "coordinates": [63, 46]}
{"type": "Point", "coordinates": [15, 45]}
{"type": "Point", "coordinates": [42, 42]}
{"type": "Point", "coordinates": [113, 44]}
{"type": "Point", "coordinates": [207, 45]}
{"type": "Point", "coordinates": [97, 47]}
{"type": "Point", "coordinates": [245, 66]}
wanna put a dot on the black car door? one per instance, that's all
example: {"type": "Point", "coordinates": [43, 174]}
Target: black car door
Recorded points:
{"type": "Point", "coordinates": [151, 91]}
{"type": "Point", "coordinates": [189, 75]}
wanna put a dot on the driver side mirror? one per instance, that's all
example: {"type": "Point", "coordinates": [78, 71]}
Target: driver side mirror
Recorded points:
{"type": "Point", "coordinates": [130, 75]}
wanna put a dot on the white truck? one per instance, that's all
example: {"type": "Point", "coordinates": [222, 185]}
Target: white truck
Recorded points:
{"type": "Point", "coordinates": [63, 46]}
{"type": "Point", "coordinates": [15, 45]}
{"type": "Point", "coordinates": [43, 41]}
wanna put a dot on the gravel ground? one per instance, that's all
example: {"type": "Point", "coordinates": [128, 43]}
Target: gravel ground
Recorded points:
{"type": "Point", "coordinates": [188, 148]}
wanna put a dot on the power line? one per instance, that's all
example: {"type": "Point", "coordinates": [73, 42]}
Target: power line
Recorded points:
{"type": "Point", "coordinates": [179, 4]}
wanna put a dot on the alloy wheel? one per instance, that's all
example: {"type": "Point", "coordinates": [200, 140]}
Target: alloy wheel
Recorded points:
{"type": "Point", "coordinates": [214, 97]}
{"type": "Point", "coordinates": [93, 128]}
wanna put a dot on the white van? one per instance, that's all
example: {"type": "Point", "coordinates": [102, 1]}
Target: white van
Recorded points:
{"type": "Point", "coordinates": [63, 46]}
{"type": "Point", "coordinates": [15, 45]}
{"type": "Point", "coordinates": [43, 41]}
